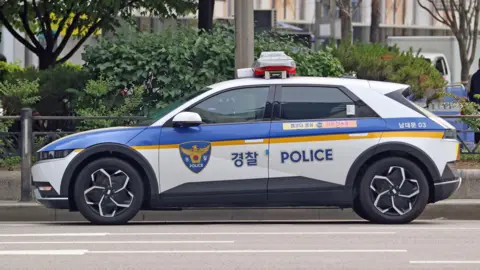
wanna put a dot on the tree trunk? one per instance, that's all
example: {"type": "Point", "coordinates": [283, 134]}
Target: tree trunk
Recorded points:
{"type": "Point", "coordinates": [465, 72]}
{"type": "Point", "coordinates": [375, 24]}
{"type": "Point", "coordinates": [46, 60]}
{"type": "Point", "coordinates": [346, 21]}
{"type": "Point", "coordinates": [462, 47]}
{"type": "Point", "coordinates": [205, 14]}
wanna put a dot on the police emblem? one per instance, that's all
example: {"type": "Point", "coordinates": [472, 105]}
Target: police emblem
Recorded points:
{"type": "Point", "coordinates": [195, 155]}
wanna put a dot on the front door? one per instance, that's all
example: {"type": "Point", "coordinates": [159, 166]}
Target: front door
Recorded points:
{"type": "Point", "coordinates": [222, 162]}
{"type": "Point", "coordinates": [316, 136]}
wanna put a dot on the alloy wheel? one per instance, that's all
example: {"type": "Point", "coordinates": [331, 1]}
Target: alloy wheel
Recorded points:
{"type": "Point", "coordinates": [108, 193]}
{"type": "Point", "coordinates": [394, 192]}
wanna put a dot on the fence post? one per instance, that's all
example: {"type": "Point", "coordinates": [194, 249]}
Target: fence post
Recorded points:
{"type": "Point", "coordinates": [26, 139]}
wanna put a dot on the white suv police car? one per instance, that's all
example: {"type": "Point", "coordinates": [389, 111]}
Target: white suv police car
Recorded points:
{"type": "Point", "coordinates": [261, 142]}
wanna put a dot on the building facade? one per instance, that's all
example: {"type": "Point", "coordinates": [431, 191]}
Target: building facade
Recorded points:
{"type": "Point", "coordinates": [398, 18]}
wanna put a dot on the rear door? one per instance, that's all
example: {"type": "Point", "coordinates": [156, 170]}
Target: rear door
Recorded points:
{"type": "Point", "coordinates": [317, 133]}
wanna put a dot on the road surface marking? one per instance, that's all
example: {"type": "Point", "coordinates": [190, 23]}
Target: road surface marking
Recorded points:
{"type": "Point", "coordinates": [44, 252]}
{"type": "Point", "coordinates": [191, 233]}
{"type": "Point", "coordinates": [413, 227]}
{"type": "Point", "coordinates": [252, 233]}
{"type": "Point", "coordinates": [445, 262]}
{"type": "Point", "coordinates": [51, 234]}
{"type": "Point", "coordinates": [117, 242]}
{"type": "Point", "coordinates": [249, 251]}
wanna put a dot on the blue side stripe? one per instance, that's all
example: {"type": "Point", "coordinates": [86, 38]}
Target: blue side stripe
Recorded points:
{"type": "Point", "coordinates": [244, 131]}
{"type": "Point", "coordinates": [363, 126]}
{"type": "Point", "coordinates": [145, 136]}
{"type": "Point", "coordinates": [84, 140]}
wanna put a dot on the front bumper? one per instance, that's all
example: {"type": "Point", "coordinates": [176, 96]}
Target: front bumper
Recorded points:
{"type": "Point", "coordinates": [51, 202]}
{"type": "Point", "coordinates": [448, 184]}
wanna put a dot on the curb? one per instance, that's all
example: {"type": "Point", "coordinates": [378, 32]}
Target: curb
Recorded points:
{"type": "Point", "coordinates": [33, 212]}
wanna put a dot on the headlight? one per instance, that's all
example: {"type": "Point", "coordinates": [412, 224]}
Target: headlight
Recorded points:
{"type": "Point", "coordinates": [450, 134]}
{"type": "Point", "coordinates": [46, 155]}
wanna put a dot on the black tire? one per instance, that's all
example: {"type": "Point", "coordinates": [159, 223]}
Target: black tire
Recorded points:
{"type": "Point", "coordinates": [367, 195]}
{"type": "Point", "coordinates": [124, 197]}
{"type": "Point", "coordinates": [359, 210]}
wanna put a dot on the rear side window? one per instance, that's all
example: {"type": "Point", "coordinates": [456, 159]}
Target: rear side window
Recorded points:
{"type": "Point", "coordinates": [312, 102]}
{"type": "Point", "coordinates": [318, 102]}
{"type": "Point", "coordinates": [401, 96]}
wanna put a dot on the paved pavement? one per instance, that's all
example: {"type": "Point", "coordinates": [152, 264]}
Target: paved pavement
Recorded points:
{"type": "Point", "coordinates": [432, 244]}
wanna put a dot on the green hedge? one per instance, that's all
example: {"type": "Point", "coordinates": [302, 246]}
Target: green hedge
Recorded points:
{"type": "Point", "coordinates": [52, 86]}
{"type": "Point", "coordinates": [185, 60]}
{"type": "Point", "coordinates": [383, 63]}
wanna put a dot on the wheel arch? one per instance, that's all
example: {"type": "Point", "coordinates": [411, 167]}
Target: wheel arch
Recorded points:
{"type": "Point", "coordinates": [389, 149]}
{"type": "Point", "coordinates": [124, 152]}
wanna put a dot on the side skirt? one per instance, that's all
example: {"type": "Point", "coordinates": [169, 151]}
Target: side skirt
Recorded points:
{"type": "Point", "coordinates": [252, 193]}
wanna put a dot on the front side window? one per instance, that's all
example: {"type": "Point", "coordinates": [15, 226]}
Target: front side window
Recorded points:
{"type": "Point", "coordinates": [158, 114]}
{"type": "Point", "coordinates": [444, 64]}
{"type": "Point", "coordinates": [439, 66]}
{"type": "Point", "coordinates": [313, 102]}
{"type": "Point", "coordinates": [239, 105]}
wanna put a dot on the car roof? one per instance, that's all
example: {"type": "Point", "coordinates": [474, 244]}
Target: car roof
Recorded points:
{"type": "Point", "coordinates": [378, 86]}
{"type": "Point", "coordinates": [431, 55]}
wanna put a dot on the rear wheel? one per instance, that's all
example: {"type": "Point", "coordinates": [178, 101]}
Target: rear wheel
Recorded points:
{"type": "Point", "coordinates": [393, 191]}
{"type": "Point", "coordinates": [109, 191]}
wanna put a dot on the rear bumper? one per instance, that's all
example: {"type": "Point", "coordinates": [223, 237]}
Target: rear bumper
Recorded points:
{"type": "Point", "coordinates": [51, 202]}
{"type": "Point", "coordinates": [448, 184]}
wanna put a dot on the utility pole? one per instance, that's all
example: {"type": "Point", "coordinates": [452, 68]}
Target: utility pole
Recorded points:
{"type": "Point", "coordinates": [333, 6]}
{"type": "Point", "coordinates": [318, 17]}
{"type": "Point", "coordinates": [243, 34]}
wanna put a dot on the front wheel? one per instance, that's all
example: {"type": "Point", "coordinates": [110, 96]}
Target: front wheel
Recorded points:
{"type": "Point", "coordinates": [393, 191]}
{"type": "Point", "coordinates": [109, 191]}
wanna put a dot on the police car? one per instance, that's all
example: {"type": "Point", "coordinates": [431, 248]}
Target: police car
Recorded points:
{"type": "Point", "coordinates": [265, 139]}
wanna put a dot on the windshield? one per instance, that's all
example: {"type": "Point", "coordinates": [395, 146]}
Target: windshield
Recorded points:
{"type": "Point", "coordinates": [170, 107]}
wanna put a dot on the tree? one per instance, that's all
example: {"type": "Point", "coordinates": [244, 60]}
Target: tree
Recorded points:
{"type": "Point", "coordinates": [205, 14]}
{"type": "Point", "coordinates": [459, 16]}
{"type": "Point", "coordinates": [375, 22]}
{"type": "Point", "coordinates": [347, 9]}
{"type": "Point", "coordinates": [53, 18]}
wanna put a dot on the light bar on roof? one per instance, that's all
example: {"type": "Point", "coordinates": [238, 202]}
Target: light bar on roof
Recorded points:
{"type": "Point", "coordinates": [274, 63]}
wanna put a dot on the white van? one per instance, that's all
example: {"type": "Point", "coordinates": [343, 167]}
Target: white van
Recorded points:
{"type": "Point", "coordinates": [441, 64]}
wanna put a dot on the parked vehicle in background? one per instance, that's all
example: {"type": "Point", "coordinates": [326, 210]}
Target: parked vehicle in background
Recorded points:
{"type": "Point", "coordinates": [440, 62]}
{"type": "Point", "coordinates": [442, 51]}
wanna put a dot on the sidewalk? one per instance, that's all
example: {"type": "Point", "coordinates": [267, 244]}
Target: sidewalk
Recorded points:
{"type": "Point", "coordinates": [461, 209]}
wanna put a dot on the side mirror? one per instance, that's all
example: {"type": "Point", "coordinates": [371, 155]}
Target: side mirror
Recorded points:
{"type": "Point", "coordinates": [187, 119]}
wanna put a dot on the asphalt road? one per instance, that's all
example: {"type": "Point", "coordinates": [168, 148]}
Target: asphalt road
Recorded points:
{"type": "Point", "coordinates": [430, 244]}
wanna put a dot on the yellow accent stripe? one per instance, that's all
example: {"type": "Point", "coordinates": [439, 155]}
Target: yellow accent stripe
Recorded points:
{"type": "Point", "coordinates": [78, 150]}
{"type": "Point", "coordinates": [335, 137]}
{"type": "Point", "coordinates": [148, 147]}
{"type": "Point", "coordinates": [237, 142]}
{"type": "Point", "coordinates": [426, 134]}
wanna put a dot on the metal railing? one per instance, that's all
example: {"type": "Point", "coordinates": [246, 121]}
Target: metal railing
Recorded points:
{"type": "Point", "coordinates": [24, 140]}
